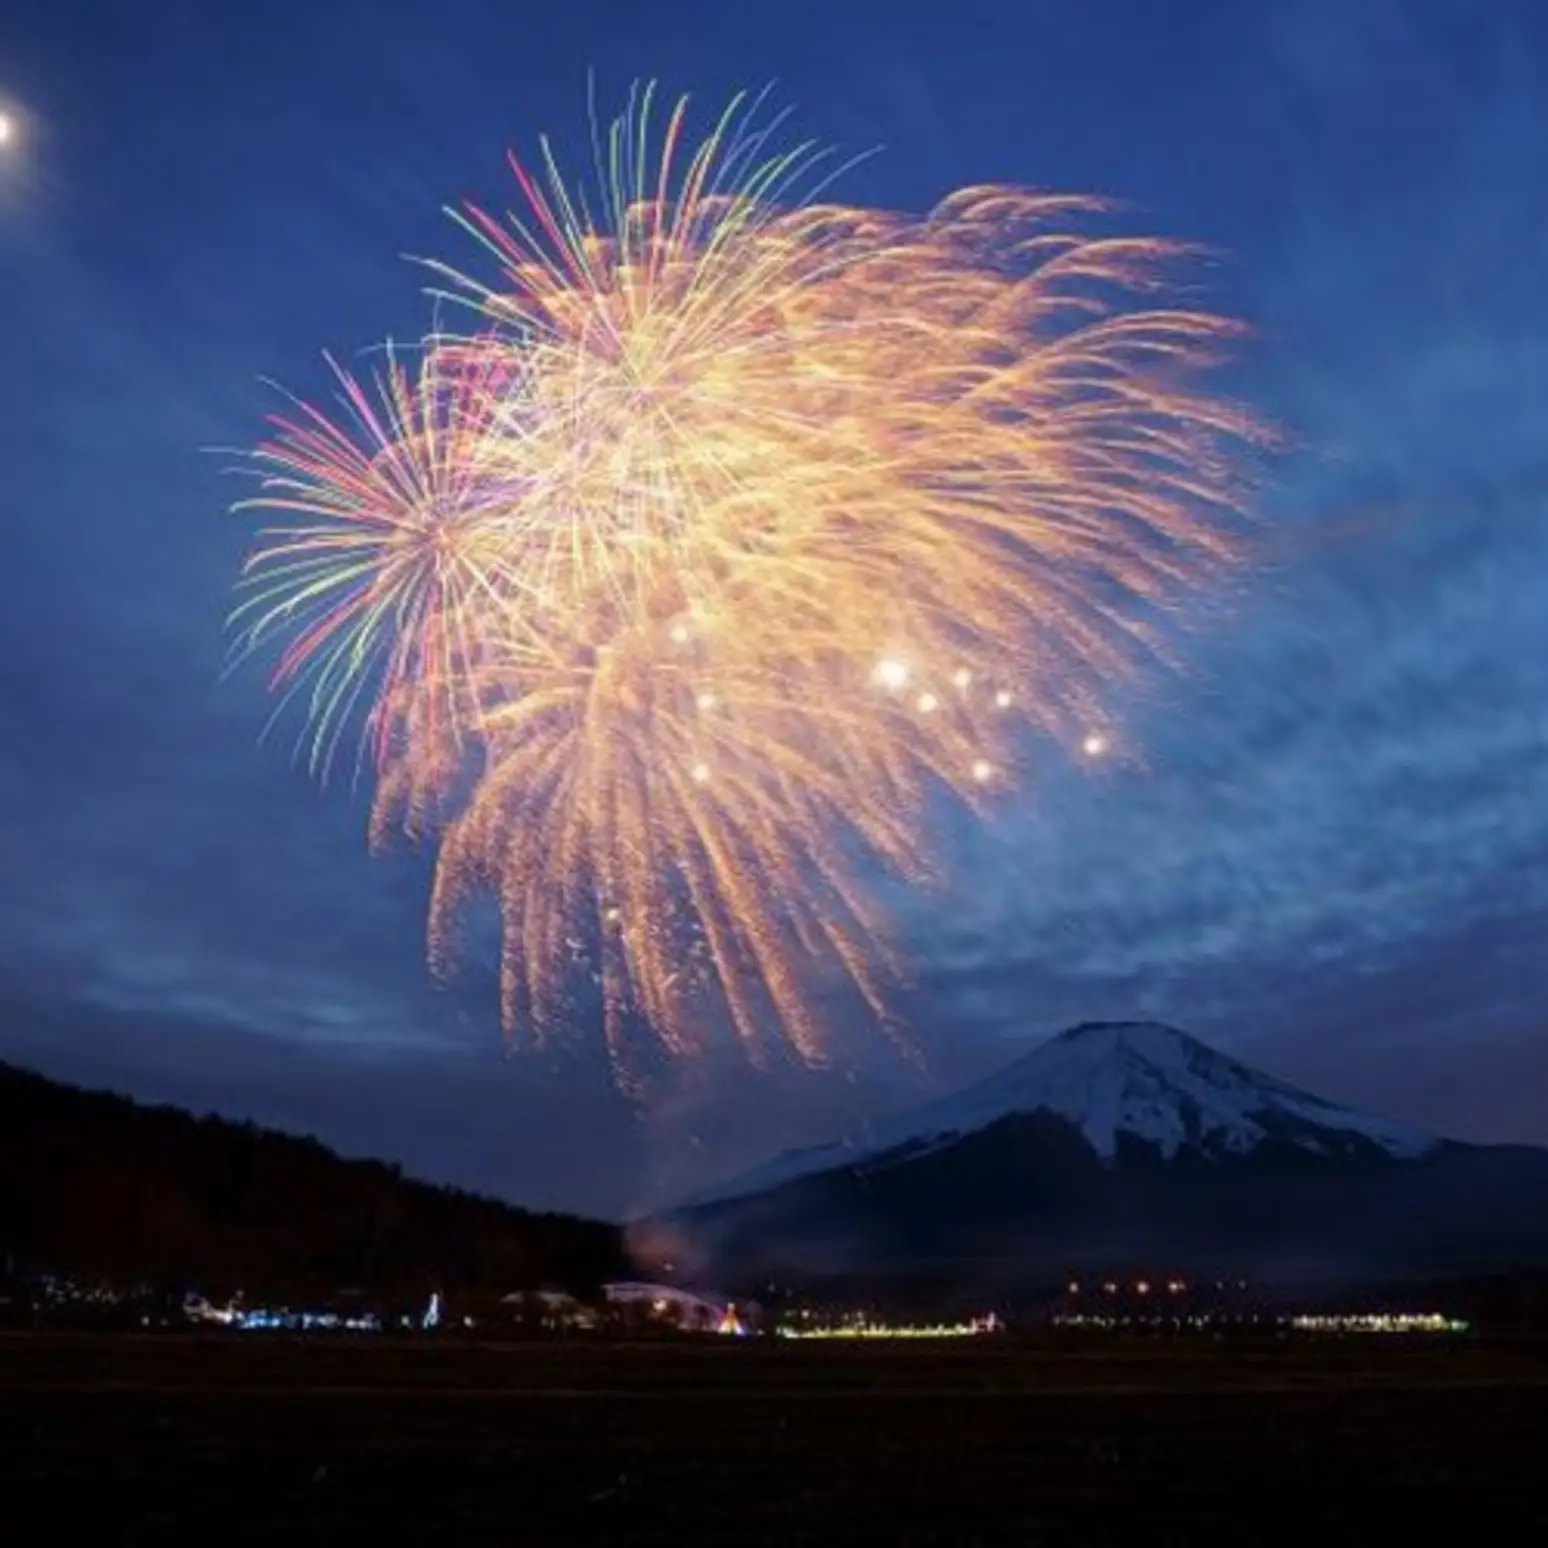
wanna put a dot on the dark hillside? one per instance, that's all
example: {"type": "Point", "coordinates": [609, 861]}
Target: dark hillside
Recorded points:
{"type": "Point", "coordinates": [92, 1184]}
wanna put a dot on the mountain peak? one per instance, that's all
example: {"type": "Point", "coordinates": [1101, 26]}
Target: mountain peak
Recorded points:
{"type": "Point", "coordinates": [1125, 1036]}
{"type": "Point", "coordinates": [1086, 1029]}
{"type": "Point", "coordinates": [1118, 1082]}
{"type": "Point", "coordinates": [1166, 1088]}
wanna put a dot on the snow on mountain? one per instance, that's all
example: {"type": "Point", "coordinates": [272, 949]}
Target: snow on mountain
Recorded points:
{"type": "Point", "coordinates": [1143, 1080]}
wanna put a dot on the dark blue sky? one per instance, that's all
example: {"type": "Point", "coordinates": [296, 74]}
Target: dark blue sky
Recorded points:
{"type": "Point", "coordinates": [1333, 858]}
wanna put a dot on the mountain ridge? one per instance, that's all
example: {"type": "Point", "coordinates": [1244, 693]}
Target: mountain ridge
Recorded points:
{"type": "Point", "coordinates": [96, 1184]}
{"type": "Point", "coordinates": [1125, 1144]}
{"type": "Point", "coordinates": [1110, 1078]}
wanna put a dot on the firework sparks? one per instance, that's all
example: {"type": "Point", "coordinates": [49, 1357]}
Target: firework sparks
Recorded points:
{"type": "Point", "coordinates": [738, 526]}
{"type": "Point", "coordinates": [389, 556]}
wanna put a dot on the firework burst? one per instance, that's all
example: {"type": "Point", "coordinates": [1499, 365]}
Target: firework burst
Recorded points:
{"type": "Point", "coordinates": [738, 526]}
{"type": "Point", "coordinates": [389, 553]}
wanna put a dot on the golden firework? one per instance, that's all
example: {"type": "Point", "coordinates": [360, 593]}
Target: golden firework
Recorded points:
{"type": "Point", "coordinates": [737, 530]}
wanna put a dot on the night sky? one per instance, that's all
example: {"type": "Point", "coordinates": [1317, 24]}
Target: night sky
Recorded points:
{"type": "Point", "coordinates": [1328, 852]}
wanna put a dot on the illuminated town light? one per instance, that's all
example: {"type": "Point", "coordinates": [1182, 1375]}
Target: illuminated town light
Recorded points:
{"type": "Point", "coordinates": [891, 673]}
{"type": "Point", "coordinates": [928, 703]}
{"type": "Point", "coordinates": [1002, 699]}
{"type": "Point", "coordinates": [962, 678]}
{"type": "Point", "coordinates": [858, 1329]}
{"type": "Point", "coordinates": [1381, 1322]}
{"type": "Point", "coordinates": [1095, 745]}
{"type": "Point", "coordinates": [983, 770]}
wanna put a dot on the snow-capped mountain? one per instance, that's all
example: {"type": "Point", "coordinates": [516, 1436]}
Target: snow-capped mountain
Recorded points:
{"type": "Point", "coordinates": [1124, 1143]}
{"type": "Point", "coordinates": [1140, 1081]}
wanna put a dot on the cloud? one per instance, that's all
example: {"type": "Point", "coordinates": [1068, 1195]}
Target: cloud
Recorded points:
{"type": "Point", "coordinates": [1352, 773]}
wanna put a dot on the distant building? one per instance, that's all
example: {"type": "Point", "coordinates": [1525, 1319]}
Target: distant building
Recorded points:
{"type": "Point", "coordinates": [666, 1304]}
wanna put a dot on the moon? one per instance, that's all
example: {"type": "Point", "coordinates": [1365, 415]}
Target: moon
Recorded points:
{"type": "Point", "coordinates": [7, 128]}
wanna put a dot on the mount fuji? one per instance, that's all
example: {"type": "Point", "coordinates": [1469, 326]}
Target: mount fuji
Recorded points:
{"type": "Point", "coordinates": [1120, 1144]}
{"type": "Point", "coordinates": [1120, 1084]}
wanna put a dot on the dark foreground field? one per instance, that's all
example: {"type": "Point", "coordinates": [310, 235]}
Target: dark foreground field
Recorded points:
{"type": "Point", "coordinates": [256, 1436]}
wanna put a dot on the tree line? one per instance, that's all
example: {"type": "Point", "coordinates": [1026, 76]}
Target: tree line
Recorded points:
{"type": "Point", "coordinates": [96, 1186]}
